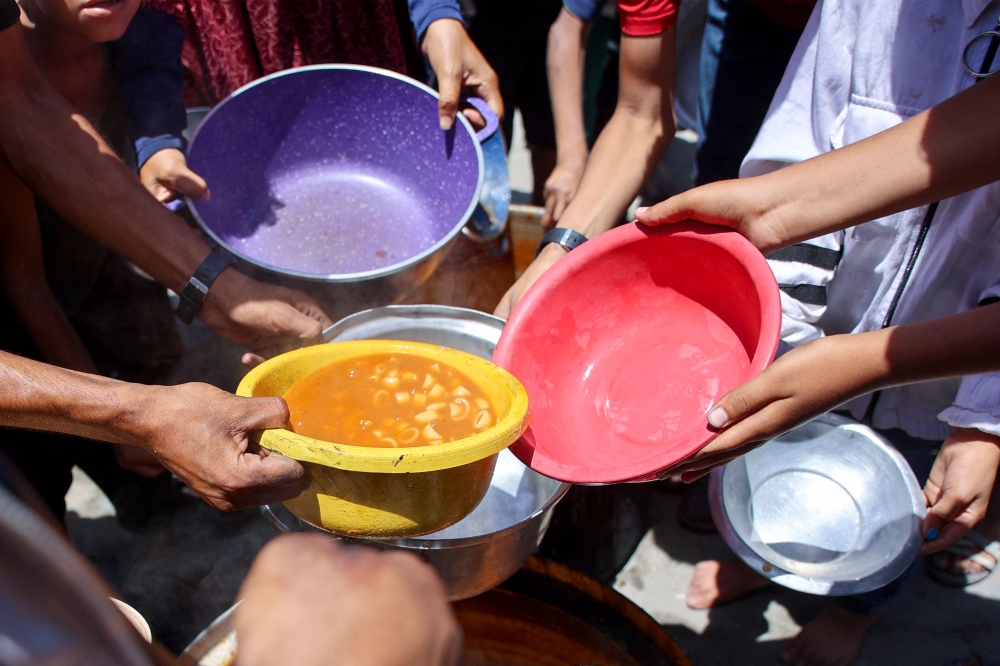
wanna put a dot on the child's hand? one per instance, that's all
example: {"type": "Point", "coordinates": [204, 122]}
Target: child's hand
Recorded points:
{"type": "Point", "coordinates": [958, 489]}
{"type": "Point", "coordinates": [799, 386]}
{"type": "Point", "coordinates": [166, 176]}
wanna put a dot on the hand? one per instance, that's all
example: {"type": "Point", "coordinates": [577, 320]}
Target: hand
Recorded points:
{"type": "Point", "coordinates": [730, 203]}
{"type": "Point", "coordinates": [311, 601]}
{"type": "Point", "coordinates": [560, 188]}
{"type": "Point", "coordinates": [137, 460]}
{"type": "Point", "coordinates": [958, 489]}
{"type": "Point", "coordinates": [550, 254]}
{"type": "Point", "coordinates": [804, 383]}
{"type": "Point", "coordinates": [201, 434]}
{"type": "Point", "coordinates": [266, 318]}
{"type": "Point", "coordinates": [459, 67]}
{"type": "Point", "coordinates": [166, 176]}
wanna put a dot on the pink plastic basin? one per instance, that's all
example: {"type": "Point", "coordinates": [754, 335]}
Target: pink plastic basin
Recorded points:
{"type": "Point", "coordinates": [625, 344]}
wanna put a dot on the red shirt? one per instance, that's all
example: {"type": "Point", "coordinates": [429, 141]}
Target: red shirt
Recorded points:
{"type": "Point", "coordinates": [641, 18]}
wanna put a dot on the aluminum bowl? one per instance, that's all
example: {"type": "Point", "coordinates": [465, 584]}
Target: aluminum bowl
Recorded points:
{"type": "Point", "coordinates": [829, 508]}
{"type": "Point", "coordinates": [488, 546]}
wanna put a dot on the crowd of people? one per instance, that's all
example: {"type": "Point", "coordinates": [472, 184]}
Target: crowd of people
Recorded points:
{"type": "Point", "coordinates": [849, 141]}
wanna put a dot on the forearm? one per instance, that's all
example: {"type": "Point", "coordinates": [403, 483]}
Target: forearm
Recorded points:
{"type": "Point", "coordinates": [963, 344]}
{"type": "Point", "coordinates": [623, 157]}
{"type": "Point", "coordinates": [565, 62]}
{"type": "Point", "coordinates": [937, 154]}
{"type": "Point", "coordinates": [36, 396]}
{"type": "Point", "coordinates": [60, 156]}
{"type": "Point", "coordinates": [634, 140]}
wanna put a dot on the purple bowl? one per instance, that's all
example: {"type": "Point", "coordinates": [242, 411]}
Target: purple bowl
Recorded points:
{"type": "Point", "coordinates": [334, 173]}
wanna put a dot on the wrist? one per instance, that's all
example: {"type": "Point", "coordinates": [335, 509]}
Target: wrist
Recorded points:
{"type": "Point", "coordinates": [130, 407]}
{"type": "Point", "coordinates": [572, 158]}
{"type": "Point", "coordinates": [868, 354]}
{"type": "Point", "coordinates": [443, 26]}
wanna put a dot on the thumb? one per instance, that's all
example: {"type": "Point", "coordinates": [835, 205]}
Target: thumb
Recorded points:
{"type": "Point", "coordinates": [188, 182]}
{"type": "Point", "coordinates": [939, 529]}
{"type": "Point", "coordinates": [739, 403]}
{"type": "Point", "coordinates": [449, 89]}
{"type": "Point", "coordinates": [264, 413]}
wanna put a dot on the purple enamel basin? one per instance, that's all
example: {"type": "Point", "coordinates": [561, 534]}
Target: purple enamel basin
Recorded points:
{"type": "Point", "coordinates": [335, 173]}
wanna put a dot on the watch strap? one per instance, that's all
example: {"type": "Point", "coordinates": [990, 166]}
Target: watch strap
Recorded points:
{"type": "Point", "coordinates": [568, 238]}
{"type": "Point", "coordinates": [193, 296]}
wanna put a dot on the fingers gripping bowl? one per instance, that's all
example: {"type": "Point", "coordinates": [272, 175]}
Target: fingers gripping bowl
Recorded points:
{"type": "Point", "coordinates": [379, 492]}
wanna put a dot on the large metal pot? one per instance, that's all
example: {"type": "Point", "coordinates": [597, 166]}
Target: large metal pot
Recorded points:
{"type": "Point", "coordinates": [487, 547]}
{"type": "Point", "coordinates": [337, 180]}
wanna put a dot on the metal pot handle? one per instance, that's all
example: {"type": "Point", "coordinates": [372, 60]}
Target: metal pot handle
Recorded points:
{"type": "Point", "coordinates": [492, 122]}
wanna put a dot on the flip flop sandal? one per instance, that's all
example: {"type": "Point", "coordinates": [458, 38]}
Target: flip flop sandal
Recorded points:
{"type": "Point", "coordinates": [973, 546]}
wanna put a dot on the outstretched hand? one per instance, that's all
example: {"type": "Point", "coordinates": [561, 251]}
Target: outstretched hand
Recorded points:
{"type": "Point", "coordinates": [460, 68]}
{"type": "Point", "coordinates": [266, 318]}
{"type": "Point", "coordinates": [959, 487]}
{"type": "Point", "coordinates": [804, 383]}
{"type": "Point", "coordinates": [201, 434]}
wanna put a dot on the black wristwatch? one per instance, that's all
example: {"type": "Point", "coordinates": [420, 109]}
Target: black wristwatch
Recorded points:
{"type": "Point", "coordinates": [568, 238]}
{"type": "Point", "coordinates": [193, 296]}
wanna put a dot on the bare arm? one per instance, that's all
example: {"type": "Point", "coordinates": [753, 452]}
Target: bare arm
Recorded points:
{"type": "Point", "coordinates": [196, 431]}
{"type": "Point", "coordinates": [822, 374]}
{"type": "Point", "coordinates": [565, 57]}
{"type": "Point", "coordinates": [22, 277]}
{"type": "Point", "coordinates": [951, 148]}
{"type": "Point", "coordinates": [625, 153]}
{"type": "Point", "coordinates": [61, 158]}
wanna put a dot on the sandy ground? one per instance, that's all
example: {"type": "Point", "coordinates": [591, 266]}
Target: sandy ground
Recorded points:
{"type": "Point", "coordinates": [185, 566]}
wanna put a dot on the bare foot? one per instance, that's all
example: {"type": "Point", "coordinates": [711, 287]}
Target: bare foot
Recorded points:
{"type": "Point", "coordinates": [718, 582]}
{"type": "Point", "coordinates": [832, 638]}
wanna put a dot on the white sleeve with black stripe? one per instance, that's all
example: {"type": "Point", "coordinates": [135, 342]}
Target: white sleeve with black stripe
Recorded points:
{"type": "Point", "coordinates": [977, 404]}
{"type": "Point", "coordinates": [803, 271]}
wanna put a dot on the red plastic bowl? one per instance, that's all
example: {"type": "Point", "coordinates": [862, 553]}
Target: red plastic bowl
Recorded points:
{"type": "Point", "coordinates": [626, 343]}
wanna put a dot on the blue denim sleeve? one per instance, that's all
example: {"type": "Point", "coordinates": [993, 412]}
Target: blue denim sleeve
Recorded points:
{"type": "Point", "coordinates": [147, 62]}
{"type": "Point", "coordinates": [585, 10]}
{"type": "Point", "coordinates": [425, 12]}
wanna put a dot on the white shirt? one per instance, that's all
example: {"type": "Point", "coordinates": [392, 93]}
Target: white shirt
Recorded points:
{"type": "Point", "coordinates": [863, 66]}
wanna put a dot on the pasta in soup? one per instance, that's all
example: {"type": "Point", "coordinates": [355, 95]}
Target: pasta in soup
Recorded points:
{"type": "Point", "coordinates": [394, 400]}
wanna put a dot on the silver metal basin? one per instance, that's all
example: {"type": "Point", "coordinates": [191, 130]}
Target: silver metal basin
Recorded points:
{"type": "Point", "coordinates": [494, 541]}
{"type": "Point", "coordinates": [829, 508]}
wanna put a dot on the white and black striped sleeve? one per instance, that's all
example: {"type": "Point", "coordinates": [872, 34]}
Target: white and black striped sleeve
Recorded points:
{"type": "Point", "coordinates": [803, 272]}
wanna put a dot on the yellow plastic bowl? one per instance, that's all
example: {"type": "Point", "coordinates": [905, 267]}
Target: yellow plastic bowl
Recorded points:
{"type": "Point", "coordinates": [383, 492]}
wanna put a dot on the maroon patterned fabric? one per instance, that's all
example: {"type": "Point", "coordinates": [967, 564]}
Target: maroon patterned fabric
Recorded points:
{"type": "Point", "coordinates": [232, 42]}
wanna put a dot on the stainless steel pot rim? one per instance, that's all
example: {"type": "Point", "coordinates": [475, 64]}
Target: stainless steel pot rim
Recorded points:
{"type": "Point", "coordinates": [423, 543]}
{"type": "Point", "coordinates": [365, 275]}
{"type": "Point", "coordinates": [412, 312]}
{"type": "Point", "coordinates": [889, 571]}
